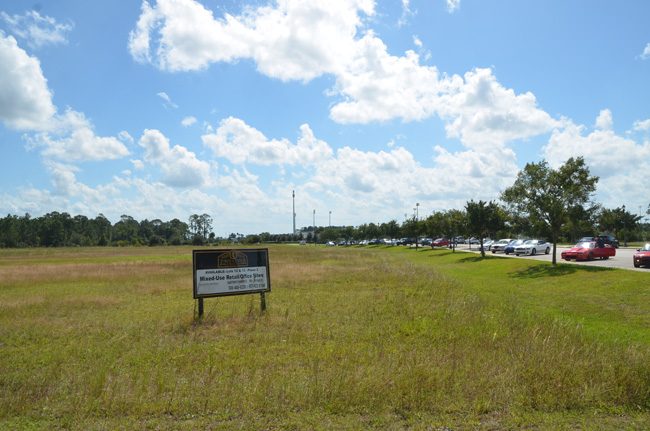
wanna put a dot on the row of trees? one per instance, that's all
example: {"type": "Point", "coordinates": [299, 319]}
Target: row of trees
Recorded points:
{"type": "Point", "coordinates": [551, 203]}
{"type": "Point", "coordinates": [61, 229]}
{"type": "Point", "coordinates": [544, 202]}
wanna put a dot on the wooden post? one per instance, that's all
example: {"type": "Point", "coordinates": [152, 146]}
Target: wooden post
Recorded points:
{"type": "Point", "coordinates": [200, 308]}
{"type": "Point", "coordinates": [263, 301]}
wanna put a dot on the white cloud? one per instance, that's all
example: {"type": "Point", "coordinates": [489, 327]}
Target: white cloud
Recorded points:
{"type": "Point", "coordinates": [646, 52]}
{"type": "Point", "coordinates": [26, 104]}
{"type": "Point", "coordinates": [240, 143]}
{"type": "Point", "coordinates": [642, 125]}
{"type": "Point", "coordinates": [72, 139]}
{"type": "Point", "coordinates": [179, 166]}
{"type": "Point", "coordinates": [359, 182]}
{"type": "Point", "coordinates": [406, 13]}
{"type": "Point", "coordinates": [604, 151]}
{"type": "Point", "coordinates": [481, 111]}
{"type": "Point", "coordinates": [37, 30]}
{"type": "Point", "coordinates": [380, 87]}
{"type": "Point", "coordinates": [167, 101]}
{"type": "Point", "coordinates": [188, 121]}
{"type": "Point", "coordinates": [453, 5]}
{"type": "Point", "coordinates": [285, 40]}
{"type": "Point", "coordinates": [604, 121]}
{"type": "Point", "coordinates": [124, 136]}
{"type": "Point", "coordinates": [25, 99]}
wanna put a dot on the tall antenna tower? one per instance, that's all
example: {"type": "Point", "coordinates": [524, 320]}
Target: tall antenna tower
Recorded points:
{"type": "Point", "coordinates": [293, 195]}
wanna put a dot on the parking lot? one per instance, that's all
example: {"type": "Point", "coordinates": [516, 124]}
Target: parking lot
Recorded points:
{"type": "Point", "coordinates": [622, 260]}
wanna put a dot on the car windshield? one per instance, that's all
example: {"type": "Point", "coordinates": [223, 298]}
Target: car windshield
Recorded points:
{"type": "Point", "coordinates": [585, 244]}
{"type": "Point", "coordinates": [531, 242]}
{"type": "Point", "coordinates": [646, 247]}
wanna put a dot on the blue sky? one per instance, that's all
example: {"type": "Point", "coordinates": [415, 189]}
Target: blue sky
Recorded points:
{"type": "Point", "coordinates": [162, 109]}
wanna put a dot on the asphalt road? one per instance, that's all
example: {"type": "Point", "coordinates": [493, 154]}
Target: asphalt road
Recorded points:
{"type": "Point", "coordinates": [622, 260]}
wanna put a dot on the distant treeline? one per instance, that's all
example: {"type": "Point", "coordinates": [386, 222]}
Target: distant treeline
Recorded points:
{"type": "Point", "coordinates": [61, 229]}
{"type": "Point", "coordinates": [57, 229]}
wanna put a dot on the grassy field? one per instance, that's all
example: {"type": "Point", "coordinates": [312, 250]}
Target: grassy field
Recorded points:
{"type": "Point", "coordinates": [353, 338]}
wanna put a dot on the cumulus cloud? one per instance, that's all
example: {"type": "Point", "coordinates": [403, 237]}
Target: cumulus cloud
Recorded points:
{"type": "Point", "coordinates": [480, 111]}
{"type": "Point", "coordinates": [26, 104]}
{"type": "Point", "coordinates": [25, 99]}
{"type": "Point", "coordinates": [72, 139]}
{"type": "Point", "coordinates": [37, 30]}
{"type": "Point", "coordinates": [188, 121]}
{"type": "Point", "coordinates": [452, 5]}
{"type": "Point", "coordinates": [642, 125]}
{"type": "Point", "coordinates": [646, 52]}
{"type": "Point", "coordinates": [285, 40]}
{"type": "Point", "coordinates": [375, 181]}
{"type": "Point", "coordinates": [179, 166]}
{"type": "Point", "coordinates": [240, 143]}
{"type": "Point", "coordinates": [603, 150]}
{"type": "Point", "coordinates": [604, 120]}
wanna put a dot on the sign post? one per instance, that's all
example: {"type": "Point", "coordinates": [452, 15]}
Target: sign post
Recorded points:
{"type": "Point", "coordinates": [231, 272]}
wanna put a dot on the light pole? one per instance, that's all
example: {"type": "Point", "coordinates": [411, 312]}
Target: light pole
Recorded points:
{"type": "Point", "coordinates": [293, 195]}
{"type": "Point", "coordinates": [417, 214]}
{"type": "Point", "coordinates": [314, 227]}
{"type": "Point", "coordinates": [330, 219]}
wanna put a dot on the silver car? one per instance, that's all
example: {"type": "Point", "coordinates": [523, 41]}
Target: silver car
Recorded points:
{"type": "Point", "coordinates": [500, 245]}
{"type": "Point", "coordinates": [532, 247]}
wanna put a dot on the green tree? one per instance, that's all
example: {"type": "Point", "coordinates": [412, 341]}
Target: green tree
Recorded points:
{"type": "Point", "coordinates": [548, 196]}
{"type": "Point", "coordinates": [483, 219]}
{"type": "Point", "coordinates": [619, 221]}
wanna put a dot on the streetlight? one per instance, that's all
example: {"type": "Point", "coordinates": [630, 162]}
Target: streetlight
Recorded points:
{"type": "Point", "coordinates": [314, 227]}
{"type": "Point", "coordinates": [417, 214]}
{"type": "Point", "coordinates": [330, 218]}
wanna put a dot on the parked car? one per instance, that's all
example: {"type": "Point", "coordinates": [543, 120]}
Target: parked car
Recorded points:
{"type": "Point", "coordinates": [500, 245]}
{"type": "Point", "coordinates": [642, 256]}
{"type": "Point", "coordinates": [425, 241]}
{"type": "Point", "coordinates": [487, 244]}
{"type": "Point", "coordinates": [510, 248]}
{"type": "Point", "coordinates": [473, 240]}
{"type": "Point", "coordinates": [605, 239]}
{"type": "Point", "coordinates": [532, 247]}
{"type": "Point", "coordinates": [440, 242]}
{"type": "Point", "coordinates": [589, 250]}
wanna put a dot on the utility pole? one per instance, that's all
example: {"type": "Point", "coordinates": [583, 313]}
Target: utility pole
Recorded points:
{"type": "Point", "coordinates": [417, 231]}
{"type": "Point", "coordinates": [293, 195]}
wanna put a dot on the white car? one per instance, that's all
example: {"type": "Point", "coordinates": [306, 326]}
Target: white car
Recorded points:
{"type": "Point", "coordinates": [487, 244]}
{"type": "Point", "coordinates": [500, 245]}
{"type": "Point", "coordinates": [532, 247]}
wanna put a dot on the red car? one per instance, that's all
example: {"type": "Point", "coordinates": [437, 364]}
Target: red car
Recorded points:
{"type": "Point", "coordinates": [589, 250]}
{"type": "Point", "coordinates": [440, 242]}
{"type": "Point", "coordinates": [642, 256]}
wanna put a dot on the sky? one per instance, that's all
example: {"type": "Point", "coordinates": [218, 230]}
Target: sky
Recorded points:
{"type": "Point", "coordinates": [366, 109]}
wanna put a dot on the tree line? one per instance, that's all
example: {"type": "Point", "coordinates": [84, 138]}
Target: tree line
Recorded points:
{"type": "Point", "coordinates": [551, 203]}
{"type": "Point", "coordinates": [60, 229]}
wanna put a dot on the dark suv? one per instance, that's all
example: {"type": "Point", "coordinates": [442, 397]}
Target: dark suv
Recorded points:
{"type": "Point", "coordinates": [606, 239]}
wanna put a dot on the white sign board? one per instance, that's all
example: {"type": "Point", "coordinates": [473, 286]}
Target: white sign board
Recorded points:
{"type": "Point", "coordinates": [230, 272]}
